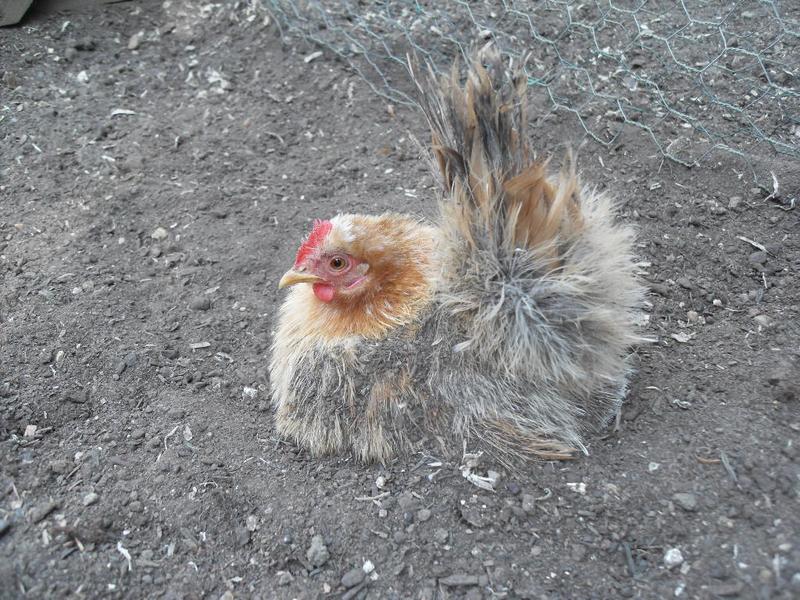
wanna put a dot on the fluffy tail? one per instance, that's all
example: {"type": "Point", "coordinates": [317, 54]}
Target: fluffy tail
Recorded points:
{"type": "Point", "coordinates": [537, 271]}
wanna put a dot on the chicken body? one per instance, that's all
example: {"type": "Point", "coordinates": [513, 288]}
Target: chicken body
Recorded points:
{"type": "Point", "coordinates": [507, 325]}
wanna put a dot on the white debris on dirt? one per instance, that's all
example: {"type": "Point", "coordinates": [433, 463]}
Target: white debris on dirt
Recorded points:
{"type": "Point", "coordinates": [673, 557]}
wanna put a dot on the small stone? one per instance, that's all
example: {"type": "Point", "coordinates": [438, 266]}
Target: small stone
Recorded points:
{"type": "Point", "coordinates": [131, 359]}
{"type": "Point", "coordinates": [317, 554]}
{"type": "Point", "coordinates": [441, 536]}
{"type": "Point", "coordinates": [59, 466]}
{"type": "Point", "coordinates": [284, 578]}
{"type": "Point", "coordinates": [659, 288]}
{"type": "Point", "coordinates": [673, 558]}
{"type": "Point", "coordinates": [46, 356]}
{"type": "Point", "coordinates": [423, 515]}
{"type": "Point", "coordinates": [459, 579]}
{"type": "Point", "coordinates": [758, 258]}
{"type": "Point", "coordinates": [135, 40]}
{"type": "Point", "coordinates": [40, 511]}
{"type": "Point", "coordinates": [796, 581]}
{"type": "Point", "coordinates": [90, 499]}
{"type": "Point", "coordinates": [686, 501]}
{"type": "Point", "coordinates": [200, 303]}
{"type": "Point", "coordinates": [353, 577]}
{"type": "Point", "coordinates": [735, 202]}
{"type": "Point", "coordinates": [407, 502]}
{"type": "Point", "coordinates": [242, 536]}
{"type": "Point", "coordinates": [528, 503]}
{"type": "Point", "coordinates": [159, 234]}
{"type": "Point", "coordinates": [763, 321]}
{"type": "Point", "coordinates": [685, 283]}
{"type": "Point", "coordinates": [692, 316]}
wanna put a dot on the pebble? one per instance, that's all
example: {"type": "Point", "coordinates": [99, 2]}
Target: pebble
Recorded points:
{"type": "Point", "coordinates": [90, 499]}
{"type": "Point", "coordinates": [763, 321]}
{"type": "Point", "coordinates": [459, 579]}
{"type": "Point", "coordinates": [284, 577]}
{"type": "Point", "coordinates": [758, 258]}
{"type": "Point", "coordinates": [686, 501]}
{"type": "Point", "coordinates": [131, 359]}
{"type": "Point", "coordinates": [672, 558]}
{"type": "Point", "coordinates": [578, 552]}
{"type": "Point", "coordinates": [441, 535]}
{"type": "Point", "coordinates": [423, 515]}
{"type": "Point", "coordinates": [42, 510]}
{"type": "Point", "coordinates": [734, 202]}
{"type": "Point", "coordinates": [200, 303]}
{"type": "Point", "coordinates": [406, 501]}
{"type": "Point", "coordinates": [317, 553]}
{"type": "Point", "coordinates": [528, 503]}
{"type": "Point", "coordinates": [685, 283]}
{"type": "Point", "coordinates": [353, 577]}
{"type": "Point", "coordinates": [242, 536]}
{"type": "Point", "coordinates": [46, 356]}
{"type": "Point", "coordinates": [795, 580]}
{"type": "Point", "coordinates": [692, 316]}
{"type": "Point", "coordinates": [159, 234]}
{"type": "Point", "coordinates": [135, 40]}
{"type": "Point", "coordinates": [660, 289]}
{"type": "Point", "coordinates": [176, 413]}
{"type": "Point", "coordinates": [59, 466]}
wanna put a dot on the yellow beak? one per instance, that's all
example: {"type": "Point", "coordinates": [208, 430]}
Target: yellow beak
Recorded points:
{"type": "Point", "coordinates": [291, 277]}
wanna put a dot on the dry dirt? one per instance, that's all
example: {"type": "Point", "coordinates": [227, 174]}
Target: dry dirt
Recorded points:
{"type": "Point", "coordinates": [153, 190]}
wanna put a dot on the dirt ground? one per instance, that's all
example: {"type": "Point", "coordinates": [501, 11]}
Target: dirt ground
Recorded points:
{"type": "Point", "coordinates": [153, 188]}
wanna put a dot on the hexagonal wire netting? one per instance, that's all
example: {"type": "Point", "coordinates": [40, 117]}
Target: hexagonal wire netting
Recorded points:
{"type": "Point", "coordinates": [698, 77]}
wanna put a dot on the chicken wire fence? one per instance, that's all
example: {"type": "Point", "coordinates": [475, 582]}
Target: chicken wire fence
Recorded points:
{"type": "Point", "coordinates": [698, 77]}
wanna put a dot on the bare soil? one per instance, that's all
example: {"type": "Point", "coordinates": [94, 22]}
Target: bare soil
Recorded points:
{"type": "Point", "coordinates": [152, 191]}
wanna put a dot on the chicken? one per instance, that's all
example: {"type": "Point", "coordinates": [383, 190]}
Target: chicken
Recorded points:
{"type": "Point", "coordinates": [507, 326]}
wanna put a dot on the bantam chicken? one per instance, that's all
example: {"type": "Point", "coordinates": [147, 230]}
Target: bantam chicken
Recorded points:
{"type": "Point", "coordinates": [506, 326]}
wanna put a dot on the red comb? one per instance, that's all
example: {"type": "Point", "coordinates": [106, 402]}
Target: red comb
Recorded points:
{"type": "Point", "coordinates": [318, 234]}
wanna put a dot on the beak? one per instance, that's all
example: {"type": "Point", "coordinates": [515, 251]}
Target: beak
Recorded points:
{"type": "Point", "coordinates": [291, 277]}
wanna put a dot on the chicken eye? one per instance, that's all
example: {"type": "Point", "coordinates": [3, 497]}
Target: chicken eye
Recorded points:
{"type": "Point", "coordinates": [338, 263]}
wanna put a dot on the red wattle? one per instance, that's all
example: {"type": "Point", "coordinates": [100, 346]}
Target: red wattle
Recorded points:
{"type": "Point", "coordinates": [323, 291]}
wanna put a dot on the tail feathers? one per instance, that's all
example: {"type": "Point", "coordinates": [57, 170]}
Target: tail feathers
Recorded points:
{"type": "Point", "coordinates": [496, 188]}
{"type": "Point", "coordinates": [537, 275]}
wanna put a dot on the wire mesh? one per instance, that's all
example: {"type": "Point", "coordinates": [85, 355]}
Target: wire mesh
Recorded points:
{"type": "Point", "coordinates": [698, 77]}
